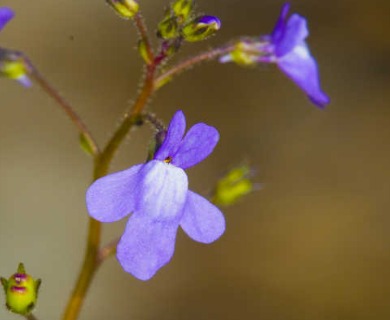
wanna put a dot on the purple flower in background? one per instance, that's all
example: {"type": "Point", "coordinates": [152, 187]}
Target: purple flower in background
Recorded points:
{"type": "Point", "coordinates": [11, 64]}
{"type": "Point", "coordinates": [157, 194]}
{"type": "Point", "coordinates": [6, 14]}
{"type": "Point", "coordinates": [288, 49]}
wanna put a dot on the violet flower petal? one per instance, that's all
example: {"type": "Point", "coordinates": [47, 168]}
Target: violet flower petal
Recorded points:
{"type": "Point", "coordinates": [175, 133]}
{"type": "Point", "coordinates": [202, 221]}
{"type": "Point", "coordinates": [301, 67]}
{"type": "Point", "coordinates": [6, 14]}
{"type": "Point", "coordinates": [146, 245]}
{"type": "Point", "coordinates": [294, 33]}
{"type": "Point", "coordinates": [277, 33]}
{"type": "Point", "coordinates": [163, 190]}
{"type": "Point", "coordinates": [198, 143]}
{"type": "Point", "coordinates": [114, 196]}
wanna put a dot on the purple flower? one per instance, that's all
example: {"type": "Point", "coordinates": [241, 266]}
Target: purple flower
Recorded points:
{"type": "Point", "coordinates": [6, 14]}
{"type": "Point", "coordinates": [157, 194]}
{"type": "Point", "coordinates": [288, 49]}
{"type": "Point", "coordinates": [11, 64]}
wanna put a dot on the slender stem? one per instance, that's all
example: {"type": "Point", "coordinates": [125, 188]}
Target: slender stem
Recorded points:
{"type": "Point", "coordinates": [87, 272]}
{"type": "Point", "coordinates": [141, 27]}
{"type": "Point", "coordinates": [129, 120]}
{"type": "Point", "coordinates": [189, 63]}
{"type": "Point", "coordinates": [94, 256]}
{"type": "Point", "coordinates": [30, 317]}
{"type": "Point", "coordinates": [52, 92]}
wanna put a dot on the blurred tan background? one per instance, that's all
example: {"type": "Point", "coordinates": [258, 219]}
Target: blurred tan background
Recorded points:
{"type": "Point", "coordinates": [313, 244]}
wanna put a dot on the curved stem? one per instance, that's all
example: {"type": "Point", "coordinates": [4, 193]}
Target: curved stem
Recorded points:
{"type": "Point", "coordinates": [141, 27]}
{"type": "Point", "coordinates": [74, 117]}
{"type": "Point", "coordinates": [189, 63]}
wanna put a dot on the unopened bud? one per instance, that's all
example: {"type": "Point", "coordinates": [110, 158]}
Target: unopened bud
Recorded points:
{"type": "Point", "coordinates": [13, 66]}
{"type": "Point", "coordinates": [21, 291]}
{"type": "Point", "coordinates": [182, 9]}
{"type": "Point", "coordinates": [168, 28]}
{"type": "Point", "coordinates": [233, 186]}
{"type": "Point", "coordinates": [127, 9]}
{"type": "Point", "coordinates": [201, 28]}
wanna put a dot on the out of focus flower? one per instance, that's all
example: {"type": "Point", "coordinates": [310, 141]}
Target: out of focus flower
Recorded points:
{"type": "Point", "coordinates": [287, 48]}
{"type": "Point", "coordinates": [157, 194]}
{"type": "Point", "coordinates": [234, 186]}
{"type": "Point", "coordinates": [12, 64]}
{"type": "Point", "coordinates": [6, 14]}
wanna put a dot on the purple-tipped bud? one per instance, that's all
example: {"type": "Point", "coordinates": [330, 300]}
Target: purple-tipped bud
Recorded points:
{"type": "Point", "coordinates": [21, 291]}
{"type": "Point", "coordinates": [201, 28]}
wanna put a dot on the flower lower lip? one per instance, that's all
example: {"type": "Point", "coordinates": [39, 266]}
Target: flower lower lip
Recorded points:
{"type": "Point", "coordinates": [18, 289]}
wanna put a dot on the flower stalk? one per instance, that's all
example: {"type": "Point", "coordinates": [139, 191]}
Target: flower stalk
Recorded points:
{"type": "Point", "coordinates": [187, 64]}
{"type": "Point", "coordinates": [65, 105]}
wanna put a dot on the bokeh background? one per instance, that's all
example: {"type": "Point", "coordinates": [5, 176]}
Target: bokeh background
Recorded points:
{"type": "Point", "coordinates": [314, 243]}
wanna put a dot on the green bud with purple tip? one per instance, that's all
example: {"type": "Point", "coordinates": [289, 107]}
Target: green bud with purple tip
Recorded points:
{"type": "Point", "coordinates": [201, 28]}
{"type": "Point", "coordinates": [21, 291]}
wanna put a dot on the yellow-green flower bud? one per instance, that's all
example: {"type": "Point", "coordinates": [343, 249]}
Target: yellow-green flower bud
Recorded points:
{"type": "Point", "coordinates": [182, 9]}
{"type": "Point", "coordinates": [21, 291]}
{"type": "Point", "coordinates": [233, 186]}
{"type": "Point", "coordinates": [13, 66]}
{"type": "Point", "coordinates": [168, 28]}
{"type": "Point", "coordinates": [127, 9]}
{"type": "Point", "coordinates": [201, 28]}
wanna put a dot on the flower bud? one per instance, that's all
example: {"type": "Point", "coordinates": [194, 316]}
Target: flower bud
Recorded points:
{"type": "Point", "coordinates": [21, 291]}
{"type": "Point", "coordinates": [182, 9]}
{"type": "Point", "coordinates": [127, 9]}
{"type": "Point", "coordinates": [201, 28]}
{"type": "Point", "coordinates": [168, 28]}
{"type": "Point", "coordinates": [233, 186]}
{"type": "Point", "coordinates": [13, 66]}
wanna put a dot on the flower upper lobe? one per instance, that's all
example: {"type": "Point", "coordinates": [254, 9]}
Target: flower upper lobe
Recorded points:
{"type": "Point", "coordinates": [293, 57]}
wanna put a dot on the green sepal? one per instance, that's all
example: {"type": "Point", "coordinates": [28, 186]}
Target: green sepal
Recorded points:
{"type": "Point", "coordinates": [86, 144]}
{"type": "Point", "coordinates": [4, 283]}
{"type": "Point", "coordinates": [143, 52]}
